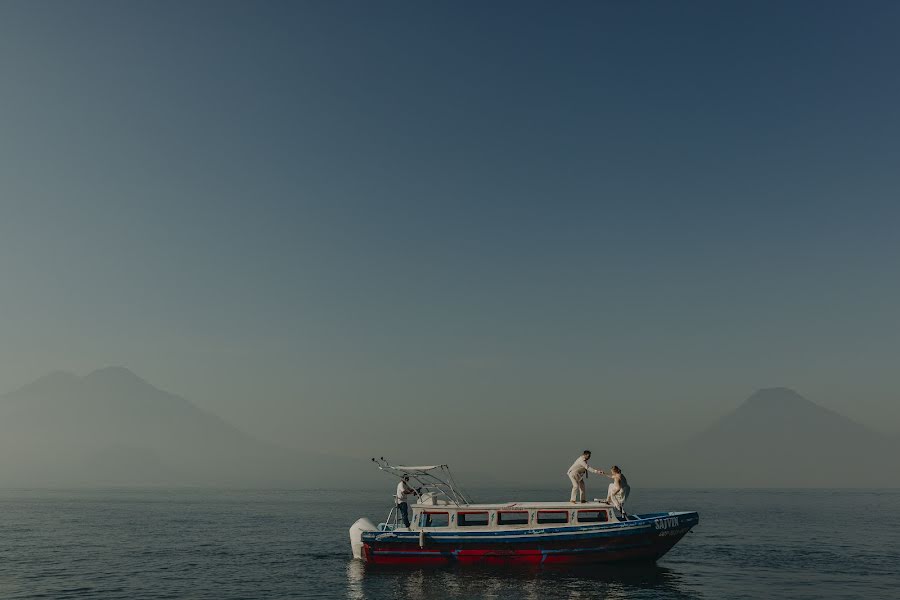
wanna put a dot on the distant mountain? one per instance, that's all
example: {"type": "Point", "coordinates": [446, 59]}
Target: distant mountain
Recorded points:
{"type": "Point", "coordinates": [112, 427]}
{"type": "Point", "coordinates": [778, 438]}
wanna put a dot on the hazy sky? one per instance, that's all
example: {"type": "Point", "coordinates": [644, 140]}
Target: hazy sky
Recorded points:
{"type": "Point", "coordinates": [329, 222]}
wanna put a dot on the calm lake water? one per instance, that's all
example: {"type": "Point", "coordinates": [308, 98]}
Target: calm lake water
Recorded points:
{"type": "Point", "coordinates": [294, 544]}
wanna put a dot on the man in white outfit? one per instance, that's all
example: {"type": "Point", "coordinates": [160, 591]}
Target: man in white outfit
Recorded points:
{"type": "Point", "coordinates": [577, 473]}
{"type": "Point", "coordinates": [403, 490]}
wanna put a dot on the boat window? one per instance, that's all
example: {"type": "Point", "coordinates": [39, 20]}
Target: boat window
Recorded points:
{"type": "Point", "coordinates": [592, 516]}
{"type": "Point", "coordinates": [434, 519]}
{"type": "Point", "coordinates": [512, 517]}
{"type": "Point", "coordinates": [553, 516]}
{"type": "Point", "coordinates": [472, 519]}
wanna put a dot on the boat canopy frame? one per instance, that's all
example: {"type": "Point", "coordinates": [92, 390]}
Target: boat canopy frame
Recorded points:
{"type": "Point", "coordinates": [434, 479]}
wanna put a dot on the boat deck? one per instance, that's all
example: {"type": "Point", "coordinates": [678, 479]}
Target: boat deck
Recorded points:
{"type": "Point", "coordinates": [565, 505]}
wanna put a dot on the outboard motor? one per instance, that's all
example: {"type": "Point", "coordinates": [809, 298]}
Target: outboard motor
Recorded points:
{"type": "Point", "coordinates": [356, 531]}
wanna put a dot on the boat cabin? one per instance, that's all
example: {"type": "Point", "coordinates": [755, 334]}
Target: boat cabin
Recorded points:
{"type": "Point", "coordinates": [531, 515]}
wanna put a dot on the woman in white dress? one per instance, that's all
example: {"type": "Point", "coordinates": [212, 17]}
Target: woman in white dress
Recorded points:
{"type": "Point", "coordinates": [618, 490]}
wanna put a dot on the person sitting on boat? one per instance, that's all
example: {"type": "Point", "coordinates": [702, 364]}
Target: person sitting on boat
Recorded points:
{"type": "Point", "coordinates": [618, 490]}
{"type": "Point", "coordinates": [403, 490]}
{"type": "Point", "coordinates": [578, 472]}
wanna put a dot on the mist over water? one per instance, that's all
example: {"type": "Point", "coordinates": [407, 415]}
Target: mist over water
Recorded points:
{"type": "Point", "coordinates": [154, 544]}
{"type": "Point", "coordinates": [111, 427]}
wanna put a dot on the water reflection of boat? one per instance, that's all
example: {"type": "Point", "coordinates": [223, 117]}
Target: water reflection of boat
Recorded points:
{"type": "Point", "coordinates": [523, 582]}
{"type": "Point", "coordinates": [448, 527]}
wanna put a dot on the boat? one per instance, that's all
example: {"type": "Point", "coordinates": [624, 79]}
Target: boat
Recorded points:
{"type": "Point", "coordinates": [447, 527]}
